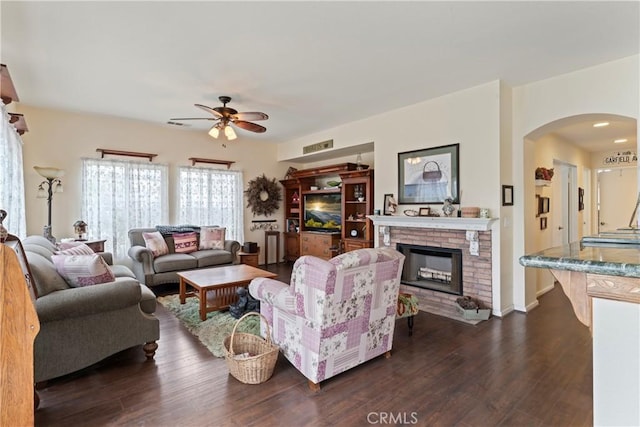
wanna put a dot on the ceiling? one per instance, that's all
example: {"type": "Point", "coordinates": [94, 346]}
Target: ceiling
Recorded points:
{"type": "Point", "coordinates": [309, 65]}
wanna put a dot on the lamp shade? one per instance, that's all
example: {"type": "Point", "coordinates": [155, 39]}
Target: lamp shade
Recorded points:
{"type": "Point", "coordinates": [50, 173]}
{"type": "Point", "coordinates": [214, 132]}
{"type": "Point", "coordinates": [230, 133]}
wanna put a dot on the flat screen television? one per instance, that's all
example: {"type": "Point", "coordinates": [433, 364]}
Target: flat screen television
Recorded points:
{"type": "Point", "coordinates": [322, 212]}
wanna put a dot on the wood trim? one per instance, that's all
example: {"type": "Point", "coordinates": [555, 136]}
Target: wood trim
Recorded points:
{"type": "Point", "coordinates": [574, 285]}
{"type": "Point", "coordinates": [106, 151]}
{"type": "Point", "coordinates": [325, 170]}
{"type": "Point", "coordinates": [616, 288]}
{"type": "Point", "coordinates": [195, 160]}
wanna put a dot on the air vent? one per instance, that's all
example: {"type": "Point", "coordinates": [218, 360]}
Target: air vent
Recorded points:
{"type": "Point", "coordinates": [324, 145]}
{"type": "Point", "coordinates": [176, 123]}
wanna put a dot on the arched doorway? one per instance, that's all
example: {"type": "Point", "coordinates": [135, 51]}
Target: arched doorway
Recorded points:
{"type": "Point", "coordinates": [577, 151]}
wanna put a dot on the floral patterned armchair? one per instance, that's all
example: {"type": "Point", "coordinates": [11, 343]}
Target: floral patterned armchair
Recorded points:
{"type": "Point", "coordinates": [335, 314]}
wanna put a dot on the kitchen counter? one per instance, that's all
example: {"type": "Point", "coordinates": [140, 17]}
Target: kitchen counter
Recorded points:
{"type": "Point", "coordinates": [612, 257]}
{"type": "Point", "coordinates": [601, 277]}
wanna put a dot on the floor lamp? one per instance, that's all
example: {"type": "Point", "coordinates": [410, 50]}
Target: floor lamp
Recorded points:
{"type": "Point", "coordinates": [53, 184]}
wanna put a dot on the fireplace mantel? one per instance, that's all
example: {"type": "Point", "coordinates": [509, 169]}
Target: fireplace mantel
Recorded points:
{"type": "Point", "coordinates": [478, 224]}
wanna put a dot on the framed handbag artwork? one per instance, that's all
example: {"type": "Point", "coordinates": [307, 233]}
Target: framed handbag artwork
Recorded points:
{"type": "Point", "coordinates": [430, 175]}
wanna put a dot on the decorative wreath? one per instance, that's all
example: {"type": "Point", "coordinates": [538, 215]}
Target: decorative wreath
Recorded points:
{"type": "Point", "coordinates": [263, 195]}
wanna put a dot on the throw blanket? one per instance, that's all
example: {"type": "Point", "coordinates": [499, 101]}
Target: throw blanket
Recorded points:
{"type": "Point", "coordinates": [168, 230]}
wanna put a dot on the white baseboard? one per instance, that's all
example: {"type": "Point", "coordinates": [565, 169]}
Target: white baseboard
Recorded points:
{"type": "Point", "coordinates": [545, 290]}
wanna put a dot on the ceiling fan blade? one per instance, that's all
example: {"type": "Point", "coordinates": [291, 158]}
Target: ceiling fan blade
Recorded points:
{"type": "Point", "coordinates": [249, 126]}
{"type": "Point", "coordinates": [250, 116]}
{"type": "Point", "coordinates": [209, 110]}
{"type": "Point", "coordinates": [194, 118]}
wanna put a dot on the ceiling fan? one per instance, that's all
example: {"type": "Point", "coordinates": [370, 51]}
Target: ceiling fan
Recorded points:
{"type": "Point", "coordinates": [226, 115]}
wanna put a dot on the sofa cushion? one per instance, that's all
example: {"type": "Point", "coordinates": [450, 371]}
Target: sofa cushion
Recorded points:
{"type": "Point", "coordinates": [83, 270]}
{"type": "Point", "coordinates": [45, 275]}
{"type": "Point", "coordinates": [185, 243]}
{"type": "Point", "coordinates": [174, 262]}
{"type": "Point", "coordinates": [74, 248]}
{"type": "Point", "coordinates": [211, 257]}
{"type": "Point", "coordinates": [122, 271]}
{"type": "Point", "coordinates": [212, 238]}
{"type": "Point", "coordinates": [155, 243]}
{"type": "Point", "coordinates": [40, 250]}
{"type": "Point", "coordinates": [40, 241]}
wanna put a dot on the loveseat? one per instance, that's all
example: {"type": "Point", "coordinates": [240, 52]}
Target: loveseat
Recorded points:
{"type": "Point", "coordinates": [80, 326]}
{"type": "Point", "coordinates": [152, 269]}
{"type": "Point", "coordinates": [335, 314]}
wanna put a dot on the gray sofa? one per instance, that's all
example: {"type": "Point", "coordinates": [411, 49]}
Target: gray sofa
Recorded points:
{"type": "Point", "coordinates": [80, 326]}
{"type": "Point", "coordinates": [163, 269]}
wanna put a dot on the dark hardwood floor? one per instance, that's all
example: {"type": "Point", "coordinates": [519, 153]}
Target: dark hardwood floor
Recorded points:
{"type": "Point", "coordinates": [533, 370]}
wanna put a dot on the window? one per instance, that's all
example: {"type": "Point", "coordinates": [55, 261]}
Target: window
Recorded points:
{"type": "Point", "coordinates": [120, 195]}
{"type": "Point", "coordinates": [212, 197]}
{"type": "Point", "coordinates": [11, 177]}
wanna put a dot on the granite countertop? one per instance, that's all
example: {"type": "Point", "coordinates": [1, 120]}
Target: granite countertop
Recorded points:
{"type": "Point", "coordinates": [609, 256]}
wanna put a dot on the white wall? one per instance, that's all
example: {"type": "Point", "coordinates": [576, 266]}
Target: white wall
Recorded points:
{"type": "Point", "coordinates": [61, 138]}
{"type": "Point", "coordinates": [616, 371]}
{"type": "Point", "coordinates": [607, 88]}
{"type": "Point", "coordinates": [471, 118]}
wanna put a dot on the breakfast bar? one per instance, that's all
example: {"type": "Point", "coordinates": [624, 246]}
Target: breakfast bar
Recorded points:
{"type": "Point", "coordinates": [601, 277]}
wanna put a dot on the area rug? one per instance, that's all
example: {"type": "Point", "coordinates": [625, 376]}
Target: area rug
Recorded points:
{"type": "Point", "coordinates": [215, 329]}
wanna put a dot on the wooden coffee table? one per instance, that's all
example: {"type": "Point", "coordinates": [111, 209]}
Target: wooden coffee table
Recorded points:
{"type": "Point", "coordinates": [216, 287]}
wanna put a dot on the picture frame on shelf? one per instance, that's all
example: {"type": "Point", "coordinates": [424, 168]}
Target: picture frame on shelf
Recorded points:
{"type": "Point", "coordinates": [543, 223]}
{"type": "Point", "coordinates": [390, 205]}
{"type": "Point", "coordinates": [429, 175]}
{"type": "Point", "coordinates": [507, 195]}
{"type": "Point", "coordinates": [293, 225]}
{"type": "Point", "coordinates": [424, 211]}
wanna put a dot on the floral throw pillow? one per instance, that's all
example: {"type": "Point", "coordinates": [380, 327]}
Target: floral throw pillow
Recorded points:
{"type": "Point", "coordinates": [74, 248]}
{"type": "Point", "coordinates": [185, 243]}
{"type": "Point", "coordinates": [83, 270]}
{"type": "Point", "coordinates": [155, 242]}
{"type": "Point", "coordinates": [212, 237]}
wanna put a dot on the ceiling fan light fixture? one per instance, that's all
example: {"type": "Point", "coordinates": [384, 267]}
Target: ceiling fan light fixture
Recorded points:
{"type": "Point", "coordinates": [214, 132]}
{"type": "Point", "coordinates": [230, 133]}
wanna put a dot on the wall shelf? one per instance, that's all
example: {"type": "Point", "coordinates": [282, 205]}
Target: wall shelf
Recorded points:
{"type": "Point", "coordinates": [543, 183]}
{"type": "Point", "coordinates": [195, 160]}
{"type": "Point", "coordinates": [106, 151]}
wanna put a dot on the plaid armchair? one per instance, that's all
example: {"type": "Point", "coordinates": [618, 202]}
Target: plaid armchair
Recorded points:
{"type": "Point", "coordinates": [335, 314]}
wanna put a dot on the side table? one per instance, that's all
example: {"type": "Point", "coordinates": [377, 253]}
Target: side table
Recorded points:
{"type": "Point", "coordinates": [267, 234]}
{"type": "Point", "coordinates": [95, 245]}
{"type": "Point", "coordinates": [249, 258]}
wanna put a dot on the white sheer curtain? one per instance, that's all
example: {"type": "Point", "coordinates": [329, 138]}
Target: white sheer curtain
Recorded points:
{"type": "Point", "coordinates": [120, 195]}
{"type": "Point", "coordinates": [212, 197]}
{"type": "Point", "coordinates": [12, 177]}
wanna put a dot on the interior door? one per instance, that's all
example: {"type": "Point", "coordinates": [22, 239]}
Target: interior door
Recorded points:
{"type": "Point", "coordinates": [617, 195]}
{"type": "Point", "coordinates": [564, 204]}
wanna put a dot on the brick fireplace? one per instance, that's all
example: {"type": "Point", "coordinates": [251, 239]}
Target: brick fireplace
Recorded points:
{"type": "Point", "coordinates": [449, 233]}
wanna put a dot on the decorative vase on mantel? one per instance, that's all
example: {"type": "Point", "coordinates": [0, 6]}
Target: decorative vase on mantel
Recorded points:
{"type": "Point", "coordinates": [3, 231]}
{"type": "Point", "coordinates": [447, 208]}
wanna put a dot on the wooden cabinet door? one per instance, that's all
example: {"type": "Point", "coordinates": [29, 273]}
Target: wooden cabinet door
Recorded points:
{"type": "Point", "coordinates": [291, 246]}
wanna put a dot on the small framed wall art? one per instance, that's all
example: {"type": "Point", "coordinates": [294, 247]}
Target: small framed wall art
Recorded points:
{"type": "Point", "coordinates": [507, 195]}
{"type": "Point", "coordinates": [543, 223]}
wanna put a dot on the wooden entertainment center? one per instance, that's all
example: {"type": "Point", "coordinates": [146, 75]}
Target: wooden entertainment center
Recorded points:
{"type": "Point", "coordinates": [354, 185]}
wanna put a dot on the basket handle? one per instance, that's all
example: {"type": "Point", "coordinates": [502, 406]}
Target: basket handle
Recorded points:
{"type": "Point", "coordinates": [430, 161]}
{"type": "Point", "coordinates": [251, 313]}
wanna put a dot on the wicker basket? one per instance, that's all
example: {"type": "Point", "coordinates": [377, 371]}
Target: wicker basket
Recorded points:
{"type": "Point", "coordinates": [258, 367]}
